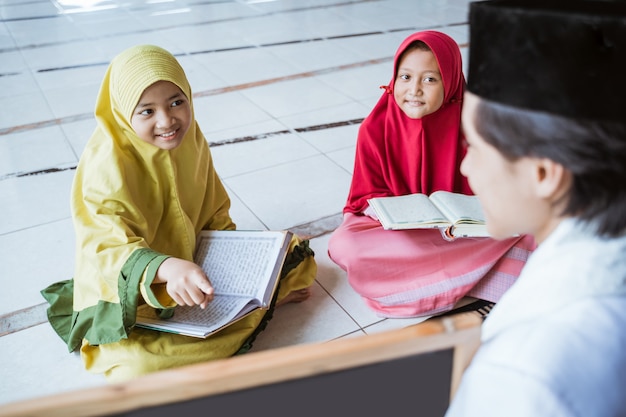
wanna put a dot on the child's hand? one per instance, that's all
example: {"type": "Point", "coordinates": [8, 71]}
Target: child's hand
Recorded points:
{"type": "Point", "coordinates": [186, 282]}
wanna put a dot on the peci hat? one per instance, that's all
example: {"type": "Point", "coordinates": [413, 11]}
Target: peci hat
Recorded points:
{"type": "Point", "coordinates": [565, 57]}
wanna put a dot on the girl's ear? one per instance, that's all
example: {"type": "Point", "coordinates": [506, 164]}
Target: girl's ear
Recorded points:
{"type": "Point", "coordinates": [552, 180]}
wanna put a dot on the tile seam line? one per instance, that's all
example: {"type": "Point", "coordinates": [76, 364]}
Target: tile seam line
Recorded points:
{"type": "Point", "coordinates": [222, 90]}
{"type": "Point", "coordinates": [191, 24]}
{"type": "Point", "coordinates": [230, 141]}
{"type": "Point", "coordinates": [216, 91]}
{"type": "Point", "coordinates": [25, 318]}
{"type": "Point", "coordinates": [208, 22]}
{"type": "Point", "coordinates": [239, 87]}
{"type": "Point", "coordinates": [241, 47]}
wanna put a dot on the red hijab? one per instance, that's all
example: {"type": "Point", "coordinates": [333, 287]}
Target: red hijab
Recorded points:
{"type": "Point", "coordinates": [397, 155]}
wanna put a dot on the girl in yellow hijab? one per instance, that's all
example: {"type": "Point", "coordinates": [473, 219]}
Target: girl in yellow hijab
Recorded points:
{"type": "Point", "coordinates": [144, 187]}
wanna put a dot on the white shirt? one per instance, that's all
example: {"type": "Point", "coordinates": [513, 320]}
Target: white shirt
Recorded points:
{"type": "Point", "coordinates": [555, 344]}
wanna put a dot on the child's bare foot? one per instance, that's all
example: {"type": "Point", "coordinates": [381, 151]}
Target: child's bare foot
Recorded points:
{"type": "Point", "coordinates": [295, 297]}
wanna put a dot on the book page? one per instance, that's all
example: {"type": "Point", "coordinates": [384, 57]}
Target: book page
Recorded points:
{"type": "Point", "coordinates": [407, 211]}
{"type": "Point", "coordinates": [239, 263]}
{"type": "Point", "coordinates": [243, 266]}
{"type": "Point", "coordinates": [459, 208]}
{"type": "Point", "coordinates": [196, 321]}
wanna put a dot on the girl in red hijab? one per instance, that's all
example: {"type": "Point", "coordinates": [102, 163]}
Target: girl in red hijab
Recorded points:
{"type": "Point", "coordinates": [412, 143]}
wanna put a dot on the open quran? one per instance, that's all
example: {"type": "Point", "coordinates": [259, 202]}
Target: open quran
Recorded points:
{"type": "Point", "coordinates": [456, 215]}
{"type": "Point", "coordinates": [244, 268]}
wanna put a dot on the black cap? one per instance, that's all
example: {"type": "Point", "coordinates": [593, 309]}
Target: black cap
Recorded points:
{"type": "Point", "coordinates": [564, 57]}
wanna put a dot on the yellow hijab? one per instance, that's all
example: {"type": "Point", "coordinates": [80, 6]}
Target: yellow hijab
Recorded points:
{"type": "Point", "coordinates": [129, 194]}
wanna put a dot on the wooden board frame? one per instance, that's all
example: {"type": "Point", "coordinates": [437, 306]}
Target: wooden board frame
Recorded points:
{"type": "Point", "coordinates": [460, 332]}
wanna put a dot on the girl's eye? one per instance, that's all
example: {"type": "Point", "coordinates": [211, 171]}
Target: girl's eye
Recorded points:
{"type": "Point", "coordinates": [404, 77]}
{"type": "Point", "coordinates": [146, 112]}
{"type": "Point", "coordinates": [177, 103]}
{"type": "Point", "coordinates": [430, 80]}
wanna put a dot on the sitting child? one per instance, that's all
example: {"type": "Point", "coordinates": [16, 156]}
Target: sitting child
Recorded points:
{"type": "Point", "coordinates": [412, 143]}
{"type": "Point", "coordinates": [144, 188]}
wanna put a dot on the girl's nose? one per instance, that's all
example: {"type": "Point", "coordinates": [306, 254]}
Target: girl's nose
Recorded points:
{"type": "Point", "coordinates": [415, 88]}
{"type": "Point", "coordinates": [164, 120]}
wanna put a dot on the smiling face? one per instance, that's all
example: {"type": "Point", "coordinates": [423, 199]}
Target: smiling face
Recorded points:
{"type": "Point", "coordinates": [418, 87]}
{"type": "Point", "coordinates": [162, 116]}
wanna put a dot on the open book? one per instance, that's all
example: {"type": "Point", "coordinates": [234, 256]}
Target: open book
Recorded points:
{"type": "Point", "coordinates": [244, 268]}
{"type": "Point", "coordinates": [456, 215]}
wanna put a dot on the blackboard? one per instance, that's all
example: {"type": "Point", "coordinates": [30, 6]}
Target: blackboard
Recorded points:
{"type": "Point", "coordinates": [414, 371]}
{"type": "Point", "coordinates": [417, 385]}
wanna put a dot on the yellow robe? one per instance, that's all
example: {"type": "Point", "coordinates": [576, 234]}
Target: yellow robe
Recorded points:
{"type": "Point", "coordinates": [134, 205]}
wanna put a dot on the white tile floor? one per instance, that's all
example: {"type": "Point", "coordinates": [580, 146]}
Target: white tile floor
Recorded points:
{"type": "Point", "coordinates": [280, 88]}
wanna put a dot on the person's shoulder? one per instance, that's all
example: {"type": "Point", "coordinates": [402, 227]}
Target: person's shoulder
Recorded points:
{"type": "Point", "coordinates": [566, 345]}
{"type": "Point", "coordinates": [567, 362]}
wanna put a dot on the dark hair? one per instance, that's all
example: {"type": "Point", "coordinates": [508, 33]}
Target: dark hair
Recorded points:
{"type": "Point", "coordinates": [593, 151]}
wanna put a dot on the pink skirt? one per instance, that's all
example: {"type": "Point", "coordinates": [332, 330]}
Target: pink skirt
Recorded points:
{"type": "Point", "coordinates": [412, 273]}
